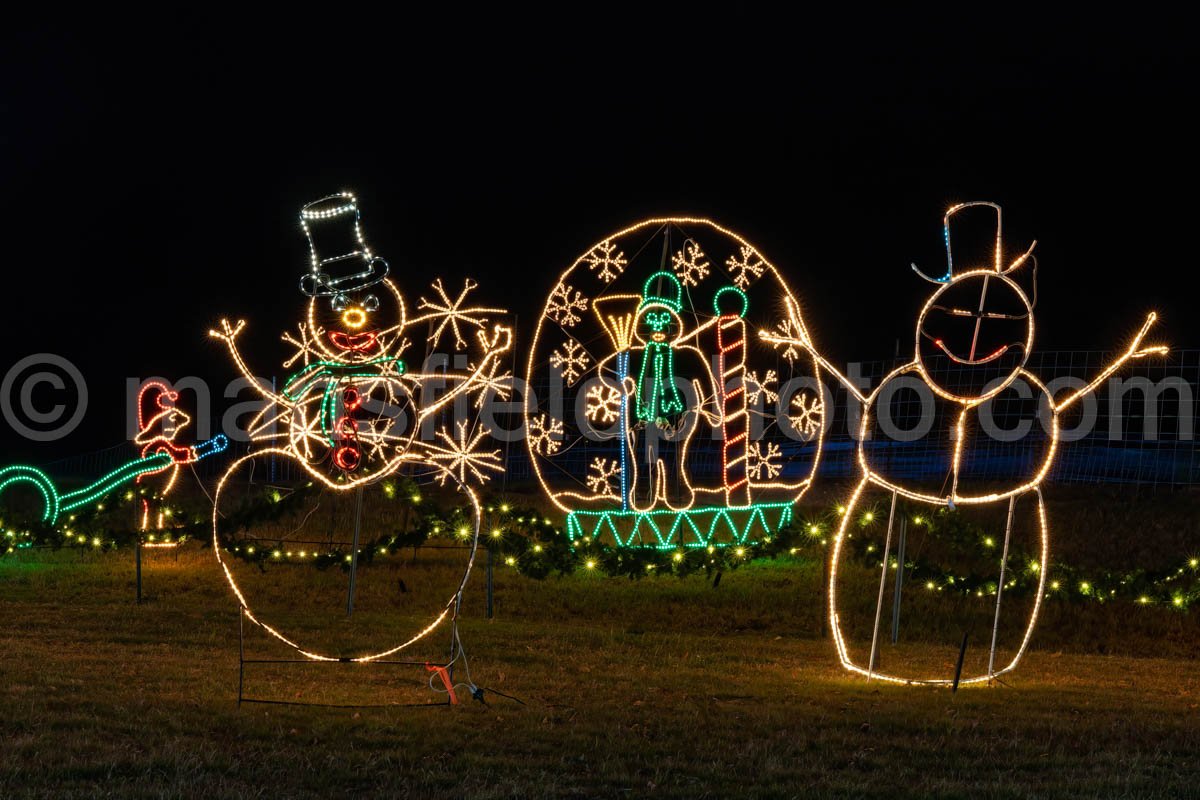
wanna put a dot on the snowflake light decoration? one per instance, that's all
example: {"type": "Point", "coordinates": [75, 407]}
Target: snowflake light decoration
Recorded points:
{"type": "Point", "coordinates": [461, 455]}
{"type": "Point", "coordinates": [763, 461]}
{"type": "Point", "coordinates": [445, 311]}
{"type": "Point", "coordinates": [603, 403]}
{"type": "Point", "coordinates": [543, 432]}
{"type": "Point", "coordinates": [604, 476]}
{"type": "Point", "coordinates": [690, 264]}
{"type": "Point", "coordinates": [565, 308]}
{"type": "Point", "coordinates": [601, 258]}
{"type": "Point", "coordinates": [759, 388]}
{"type": "Point", "coordinates": [572, 360]}
{"type": "Point", "coordinates": [495, 382]}
{"type": "Point", "coordinates": [746, 268]}
{"type": "Point", "coordinates": [807, 415]}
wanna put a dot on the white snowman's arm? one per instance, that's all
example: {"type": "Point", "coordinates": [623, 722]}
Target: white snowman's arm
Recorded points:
{"type": "Point", "coordinates": [229, 334]}
{"type": "Point", "coordinates": [798, 337]}
{"type": "Point", "coordinates": [776, 339]}
{"type": "Point", "coordinates": [1135, 350]}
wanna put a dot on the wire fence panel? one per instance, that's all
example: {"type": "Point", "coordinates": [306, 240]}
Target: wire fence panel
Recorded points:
{"type": "Point", "coordinates": [1136, 428]}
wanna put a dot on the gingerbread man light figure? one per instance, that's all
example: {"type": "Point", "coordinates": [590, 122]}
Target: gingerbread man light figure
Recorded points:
{"type": "Point", "coordinates": [980, 322]}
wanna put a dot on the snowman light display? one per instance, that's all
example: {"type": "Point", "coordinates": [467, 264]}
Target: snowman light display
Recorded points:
{"type": "Point", "coordinates": [978, 327]}
{"type": "Point", "coordinates": [351, 412]}
{"type": "Point", "coordinates": [643, 345]}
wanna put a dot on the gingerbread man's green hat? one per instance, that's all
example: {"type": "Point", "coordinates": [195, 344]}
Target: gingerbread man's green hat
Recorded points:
{"type": "Point", "coordinates": [655, 294]}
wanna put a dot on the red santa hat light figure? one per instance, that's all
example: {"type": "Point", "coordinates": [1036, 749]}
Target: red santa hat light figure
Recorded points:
{"type": "Point", "coordinates": [159, 423]}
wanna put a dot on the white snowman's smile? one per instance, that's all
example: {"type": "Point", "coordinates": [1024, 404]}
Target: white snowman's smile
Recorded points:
{"type": "Point", "coordinates": [970, 361]}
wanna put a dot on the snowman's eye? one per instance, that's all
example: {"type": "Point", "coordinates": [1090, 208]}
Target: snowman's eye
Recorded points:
{"type": "Point", "coordinates": [956, 312]}
{"type": "Point", "coordinates": [340, 302]}
{"type": "Point", "coordinates": [370, 303]}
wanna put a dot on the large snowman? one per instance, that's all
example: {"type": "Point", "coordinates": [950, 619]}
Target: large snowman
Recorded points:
{"type": "Point", "coordinates": [350, 413]}
{"type": "Point", "coordinates": [973, 338]}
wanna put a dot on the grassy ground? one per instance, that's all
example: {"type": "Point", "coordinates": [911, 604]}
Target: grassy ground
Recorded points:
{"type": "Point", "coordinates": [661, 686]}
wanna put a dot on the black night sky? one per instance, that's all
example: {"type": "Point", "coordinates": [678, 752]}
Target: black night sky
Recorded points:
{"type": "Point", "coordinates": [150, 184]}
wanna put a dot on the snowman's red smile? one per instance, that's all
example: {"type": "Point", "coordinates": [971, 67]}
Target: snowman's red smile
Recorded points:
{"type": "Point", "coordinates": [354, 342]}
{"type": "Point", "coordinates": [970, 361]}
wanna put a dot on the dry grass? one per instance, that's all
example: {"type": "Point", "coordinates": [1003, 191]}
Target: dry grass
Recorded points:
{"type": "Point", "coordinates": [660, 686]}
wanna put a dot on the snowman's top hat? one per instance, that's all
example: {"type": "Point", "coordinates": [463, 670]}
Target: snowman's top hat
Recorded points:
{"type": "Point", "coordinates": [346, 265]}
{"type": "Point", "coordinates": [992, 258]}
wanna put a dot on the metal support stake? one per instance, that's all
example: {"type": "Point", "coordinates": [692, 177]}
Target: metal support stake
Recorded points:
{"type": "Point", "coordinates": [887, 546]}
{"type": "Point", "coordinates": [241, 652]}
{"type": "Point", "coordinates": [962, 654]}
{"type": "Point", "coordinates": [899, 579]}
{"type": "Point", "coordinates": [358, 504]}
{"type": "Point", "coordinates": [821, 596]}
{"type": "Point", "coordinates": [1000, 586]}
{"type": "Point", "coordinates": [491, 586]}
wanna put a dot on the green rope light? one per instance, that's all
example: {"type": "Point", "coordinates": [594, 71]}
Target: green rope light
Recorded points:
{"type": "Point", "coordinates": [665, 525]}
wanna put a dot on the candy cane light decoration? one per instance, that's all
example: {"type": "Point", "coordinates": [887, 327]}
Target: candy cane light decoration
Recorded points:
{"type": "Point", "coordinates": [978, 300]}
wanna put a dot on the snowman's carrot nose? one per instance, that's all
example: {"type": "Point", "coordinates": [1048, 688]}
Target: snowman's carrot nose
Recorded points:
{"type": "Point", "coordinates": [354, 317]}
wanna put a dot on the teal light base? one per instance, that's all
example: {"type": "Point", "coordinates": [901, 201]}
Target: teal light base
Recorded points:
{"type": "Point", "coordinates": [664, 529]}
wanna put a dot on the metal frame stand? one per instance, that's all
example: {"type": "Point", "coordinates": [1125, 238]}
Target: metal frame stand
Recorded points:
{"type": "Point", "coordinates": [447, 670]}
{"type": "Point", "coordinates": [991, 671]}
{"type": "Point", "coordinates": [887, 546]}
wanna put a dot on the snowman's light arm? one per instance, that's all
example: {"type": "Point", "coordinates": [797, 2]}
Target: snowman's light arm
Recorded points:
{"type": "Point", "coordinates": [694, 333]}
{"type": "Point", "coordinates": [842, 379]}
{"type": "Point", "coordinates": [229, 334]}
{"type": "Point", "coordinates": [776, 339]}
{"type": "Point", "coordinates": [1135, 350]}
{"type": "Point", "coordinates": [703, 403]}
{"type": "Point", "coordinates": [499, 343]}
{"type": "Point", "coordinates": [802, 340]}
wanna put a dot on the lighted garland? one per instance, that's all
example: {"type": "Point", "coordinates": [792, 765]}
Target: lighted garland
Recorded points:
{"type": "Point", "coordinates": [106, 524]}
{"type": "Point", "coordinates": [535, 546]}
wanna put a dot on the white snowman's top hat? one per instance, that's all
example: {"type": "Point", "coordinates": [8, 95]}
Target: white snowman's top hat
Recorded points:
{"type": "Point", "coordinates": [349, 265]}
{"type": "Point", "coordinates": [993, 258]}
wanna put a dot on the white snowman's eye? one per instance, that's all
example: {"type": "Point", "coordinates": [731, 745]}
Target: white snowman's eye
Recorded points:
{"type": "Point", "coordinates": [370, 303]}
{"type": "Point", "coordinates": [340, 302]}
